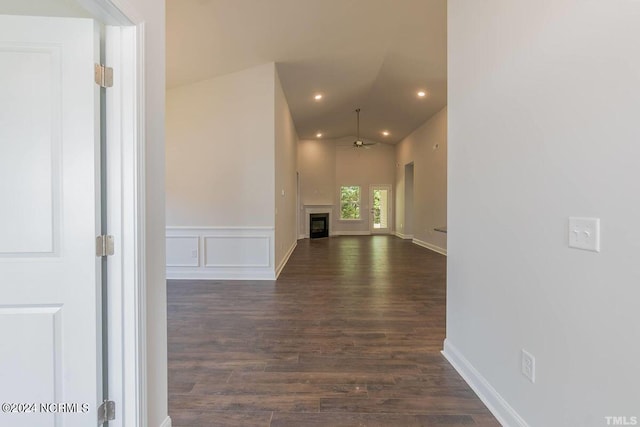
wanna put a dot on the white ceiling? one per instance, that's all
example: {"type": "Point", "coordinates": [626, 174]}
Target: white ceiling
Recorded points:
{"type": "Point", "coordinates": [372, 54]}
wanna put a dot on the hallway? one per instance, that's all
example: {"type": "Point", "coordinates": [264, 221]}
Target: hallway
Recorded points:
{"type": "Point", "coordinates": [349, 335]}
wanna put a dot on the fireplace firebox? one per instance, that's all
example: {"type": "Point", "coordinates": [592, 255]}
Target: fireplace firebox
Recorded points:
{"type": "Point", "coordinates": [318, 225]}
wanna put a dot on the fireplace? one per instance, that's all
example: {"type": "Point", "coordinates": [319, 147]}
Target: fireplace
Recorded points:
{"type": "Point", "coordinates": [318, 225]}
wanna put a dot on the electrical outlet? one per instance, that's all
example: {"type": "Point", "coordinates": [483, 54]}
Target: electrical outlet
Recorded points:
{"type": "Point", "coordinates": [584, 233]}
{"type": "Point", "coordinates": [194, 253]}
{"type": "Point", "coordinates": [528, 365]}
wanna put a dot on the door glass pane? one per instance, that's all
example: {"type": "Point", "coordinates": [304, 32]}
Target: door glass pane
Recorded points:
{"type": "Point", "coordinates": [380, 208]}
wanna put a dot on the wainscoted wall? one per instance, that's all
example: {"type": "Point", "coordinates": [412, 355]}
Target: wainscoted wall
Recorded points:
{"type": "Point", "coordinates": [217, 253]}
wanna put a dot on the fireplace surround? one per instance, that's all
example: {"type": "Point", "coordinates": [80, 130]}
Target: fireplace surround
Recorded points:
{"type": "Point", "coordinates": [305, 219]}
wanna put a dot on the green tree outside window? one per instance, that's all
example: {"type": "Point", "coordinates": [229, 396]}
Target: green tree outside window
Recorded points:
{"type": "Point", "coordinates": [350, 202]}
{"type": "Point", "coordinates": [377, 207]}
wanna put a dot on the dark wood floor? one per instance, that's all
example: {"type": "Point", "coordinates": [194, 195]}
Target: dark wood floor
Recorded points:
{"type": "Point", "coordinates": [349, 335]}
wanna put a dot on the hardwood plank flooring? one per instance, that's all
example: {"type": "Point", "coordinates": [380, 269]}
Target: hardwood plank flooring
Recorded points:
{"type": "Point", "coordinates": [349, 335]}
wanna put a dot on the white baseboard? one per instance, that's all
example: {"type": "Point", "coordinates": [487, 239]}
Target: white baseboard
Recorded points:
{"type": "Point", "coordinates": [285, 259]}
{"type": "Point", "coordinates": [404, 236]}
{"type": "Point", "coordinates": [301, 236]}
{"type": "Point", "coordinates": [219, 274]}
{"type": "Point", "coordinates": [500, 408]}
{"type": "Point", "coordinates": [351, 233]}
{"type": "Point", "coordinates": [429, 246]}
{"type": "Point", "coordinates": [166, 422]}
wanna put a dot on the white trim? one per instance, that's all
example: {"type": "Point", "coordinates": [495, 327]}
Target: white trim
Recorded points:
{"type": "Point", "coordinates": [285, 259]}
{"type": "Point", "coordinates": [216, 228]}
{"type": "Point", "coordinates": [125, 45]}
{"type": "Point", "coordinates": [301, 236]}
{"type": "Point", "coordinates": [500, 408]}
{"type": "Point", "coordinates": [404, 236]}
{"type": "Point", "coordinates": [112, 12]}
{"type": "Point", "coordinates": [166, 422]}
{"type": "Point", "coordinates": [220, 274]}
{"type": "Point", "coordinates": [351, 233]}
{"type": "Point", "coordinates": [243, 253]}
{"type": "Point", "coordinates": [429, 246]}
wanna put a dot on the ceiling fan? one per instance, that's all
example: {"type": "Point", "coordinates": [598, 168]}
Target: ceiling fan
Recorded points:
{"type": "Point", "coordinates": [359, 143]}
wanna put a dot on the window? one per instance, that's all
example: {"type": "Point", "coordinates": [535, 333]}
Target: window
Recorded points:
{"type": "Point", "coordinates": [350, 202]}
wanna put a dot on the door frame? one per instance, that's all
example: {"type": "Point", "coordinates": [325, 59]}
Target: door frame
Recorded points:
{"type": "Point", "coordinates": [389, 189]}
{"type": "Point", "coordinates": [126, 285]}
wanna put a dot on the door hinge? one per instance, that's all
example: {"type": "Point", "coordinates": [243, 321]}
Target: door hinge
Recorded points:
{"type": "Point", "coordinates": [104, 245]}
{"type": "Point", "coordinates": [106, 411]}
{"type": "Point", "coordinates": [103, 75]}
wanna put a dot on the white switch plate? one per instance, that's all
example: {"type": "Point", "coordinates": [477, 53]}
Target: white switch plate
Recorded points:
{"type": "Point", "coordinates": [584, 233]}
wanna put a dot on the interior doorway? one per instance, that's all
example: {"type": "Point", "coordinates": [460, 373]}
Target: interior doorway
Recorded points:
{"type": "Point", "coordinates": [408, 201]}
{"type": "Point", "coordinates": [67, 174]}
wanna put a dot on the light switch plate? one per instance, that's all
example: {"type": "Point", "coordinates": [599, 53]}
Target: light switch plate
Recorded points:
{"type": "Point", "coordinates": [584, 233]}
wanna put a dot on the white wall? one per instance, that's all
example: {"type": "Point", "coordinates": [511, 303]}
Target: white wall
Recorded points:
{"type": "Point", "coordinates": [153, 14]}
{"type": "Point", "coordinates": [317, 169]}
{"type": "Point", "coordinates": [543, 124]}
{"type": "Point", "coordinates": [426, 148]}
{"type": "Point", "coordinates": [231, 152]}
{"type": "Point", "coordinates": [325, 165]}
{"type": "Point", "coordinates": [286, 143]}
{"type": "Point", "coordinates": [406, 227]}
{"type": "Point", "coordinates": [220, 151]}
{"type": "Point", "coordinates": [363, 167]}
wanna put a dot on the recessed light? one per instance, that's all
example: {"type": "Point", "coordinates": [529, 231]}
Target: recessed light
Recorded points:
{"type": "Point", "coordinates": [318, 135]}
{"type": "Point", "coordinates": [422, 94]}
{"type": "Point", "coordinates": [318, 97]}
{"type": "Point", "coordinates": [385, 132]}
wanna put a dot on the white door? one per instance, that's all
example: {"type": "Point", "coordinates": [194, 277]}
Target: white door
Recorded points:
{"type": "Point", "coordinates": [380, 210]}
{"type": "Point", "coordinates": [50, 355]}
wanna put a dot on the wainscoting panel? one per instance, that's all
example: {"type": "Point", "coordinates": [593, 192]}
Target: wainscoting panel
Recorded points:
{"type": "Point", "coordinates": [183, 251]}
{"type": "Point", "coordinates": [220, 253]}
{"type": "Point", "coordinates": [237, 251]}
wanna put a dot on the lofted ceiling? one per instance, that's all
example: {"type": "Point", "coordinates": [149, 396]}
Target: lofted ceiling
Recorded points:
{"type": "Point", "coordinates": [371, 54]}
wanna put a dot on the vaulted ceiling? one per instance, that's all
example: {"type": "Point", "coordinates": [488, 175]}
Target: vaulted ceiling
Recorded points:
{"type": "Point", "coordinates": [371, 54]}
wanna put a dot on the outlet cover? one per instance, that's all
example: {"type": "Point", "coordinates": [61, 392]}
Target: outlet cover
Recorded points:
{"type": "Point", "coordinates": [528, 365]}
{"type": "Point", "coordinates": [584, 233]}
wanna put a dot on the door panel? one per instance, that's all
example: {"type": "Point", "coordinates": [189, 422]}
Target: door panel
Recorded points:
{"type": "Point", "coordinates": [49, 218]}
{"type": "Point", "coordinates": [29, 218]}
{"type": "Point", "coordinates": [380, 212]}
